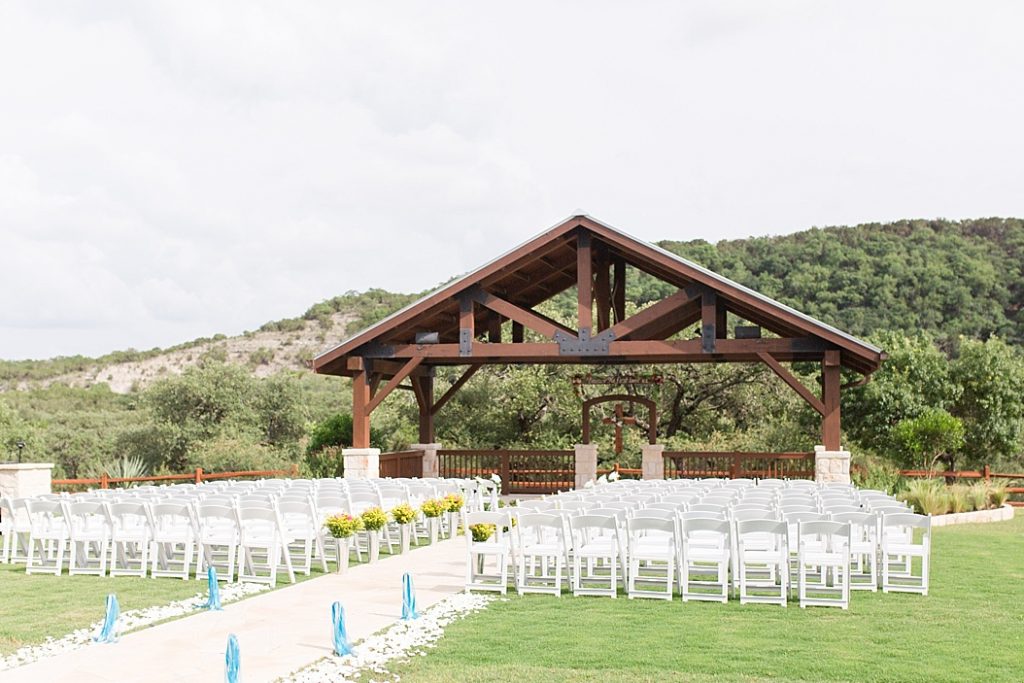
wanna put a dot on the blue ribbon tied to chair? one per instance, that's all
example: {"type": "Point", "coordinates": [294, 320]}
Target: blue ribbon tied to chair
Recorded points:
{"type": "Point", "coordinates": [108, 630]}
{"type": "Point", "coordinates": [341, 645]}
{"type": "Point", "coordinates": [213, 599]}
{"type": "Point", "coordinates": [232, 660]}
{"type": "Point", "coordinates": [408, 599]}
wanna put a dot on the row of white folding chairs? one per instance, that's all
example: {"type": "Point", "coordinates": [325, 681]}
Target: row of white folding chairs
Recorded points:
{"type": "Point", "coordinates": [168, 538]}
{"type": "Point", "coordinates": [766, 538]}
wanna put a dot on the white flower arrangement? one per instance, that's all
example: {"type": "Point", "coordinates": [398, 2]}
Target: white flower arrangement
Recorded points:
{"type": "Point", "coordinates": [614, 476]}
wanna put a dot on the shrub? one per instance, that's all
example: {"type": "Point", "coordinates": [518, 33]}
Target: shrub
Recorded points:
{"type": "Point", "coordinates": [453, 502]}
{"type": "Point", "coordinates": [997, 494]}
{"type": "Point", "coordinates": [343, 526]}
{"type": "Point", "coordinates": [403, 513]}
{"type": "Point", "coordinates": [261, 356]}
{"type": "Point", "coordinates": [325, 463]}
{"type": "Point", "coordinates": [870, 472]}
{"type": "Point", "coordinates": [927, 496]}
{"type": "Point", "coordinates": [958, 498]}
{"type": "Point", "coordinates": [433, 507]}
{"type": "Point", "coordinates": [374, 519]}
{"type": "Point", "coordinates": [481, 532]}
{"type": "Point", "coordinates": [977, 495]}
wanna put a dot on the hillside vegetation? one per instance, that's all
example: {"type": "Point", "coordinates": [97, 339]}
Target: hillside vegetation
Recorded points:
{"type": "Point", "coordinates": [944, 298]}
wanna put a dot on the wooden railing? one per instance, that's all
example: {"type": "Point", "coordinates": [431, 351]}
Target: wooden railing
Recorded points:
{"type": "Point", "coordinates": [984, 473]}
{"type": "Point", "coordinates": [401, 464]}
{"type": "Point", "coordinates": [679, 464]}
{"type": "Point", "coordinates": [520, 471]}
{"type": "Point", "coordinates": [198, 476]}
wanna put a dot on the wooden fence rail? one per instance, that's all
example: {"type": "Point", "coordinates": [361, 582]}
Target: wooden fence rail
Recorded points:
{"type": "Point", "coordinates": [198, 476]}
{"type": "Point", "coordinates": [535, 471]}
{"type": "Point", "coordinates": [680, 464]}
{"type": "Point", "coordinates": [401, 464]}
{"type": "Point", "coordinates": [985, 474]}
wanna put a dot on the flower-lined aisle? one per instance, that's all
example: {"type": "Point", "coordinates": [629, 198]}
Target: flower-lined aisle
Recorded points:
{"type": "Point", "coordinates": [403, 639]}
{"type": "Point", "coordinates": [127, 621]}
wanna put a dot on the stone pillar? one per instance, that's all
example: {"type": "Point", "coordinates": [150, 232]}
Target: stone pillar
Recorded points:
{"type": "Point", "coordinates": [586, 463]}
{"type": "Point", "coordinates": [831, 467]}
{"type": "Point", "coordinates": [361, 463]}
{"type": "Point", "coordinates": [431, 466]}
{"type": "Point", "coordinates": [652, 464]}
{"type": "Point", "coordinates": [25, 479]}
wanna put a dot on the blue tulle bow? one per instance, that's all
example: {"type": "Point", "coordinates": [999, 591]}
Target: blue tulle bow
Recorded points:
{"type": "Point", "coordinates": [232, 660]}
{"type": "Point", "coordinates": [341, 645]}
{"type": "Point", "coordinates": [408, 599]}
{"type": "Point", "coordinates": [107, 631]}
{"type": "Point", "coordinates": [213, 587]}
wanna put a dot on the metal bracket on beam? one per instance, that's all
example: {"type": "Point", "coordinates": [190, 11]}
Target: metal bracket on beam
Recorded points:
{"type": "Point", "coordinates": [707, 337]}
{"type": "Point", "coordinates": [465, 342]}
{"type": "Point", "coordinates": [585, 345]}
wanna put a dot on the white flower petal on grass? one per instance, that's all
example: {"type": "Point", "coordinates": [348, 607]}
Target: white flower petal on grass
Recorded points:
{"type": "Point", "coordinates": [402, 640]}
{"type": "Point", "coordinates": [131, 620]}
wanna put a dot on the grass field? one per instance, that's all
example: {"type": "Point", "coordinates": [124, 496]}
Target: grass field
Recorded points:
{"type": "Point", "coordinates": [969, 628]}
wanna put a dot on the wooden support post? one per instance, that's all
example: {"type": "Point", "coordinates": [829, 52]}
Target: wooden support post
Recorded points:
{"type": "Point", "coordinates": [619, 293]}
{"type": "Point", "coordinates": [425, 398]}
{"type": "Point", "coordinates": [708, 320]}
{"type": "Point", "coordinates": [603, 289]}
{"type": "Point", "coordinates": [467, 329]}
{"type": "Point", "coordinates": [518, 333]}
{"type": "Point", "coordinates": [584, 284]}
{"type": "Point", "coordinates": [360, 408]}
{"type": "Point", "coordinates": [493, 334]}
{"type": "Point", "coordinates": [830, 421]}
{"type": "Point", "coordinates": [721, 321]}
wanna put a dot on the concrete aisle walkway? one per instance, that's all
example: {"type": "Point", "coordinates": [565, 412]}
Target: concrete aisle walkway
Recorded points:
{"type": "Point", "coordinates": [278, 632]}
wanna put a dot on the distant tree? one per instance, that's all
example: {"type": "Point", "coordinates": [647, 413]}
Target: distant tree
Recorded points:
{"type": "Point", "coordinates": [932, 436]}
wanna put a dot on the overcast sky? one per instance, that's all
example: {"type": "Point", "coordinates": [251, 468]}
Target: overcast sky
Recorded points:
{"type": "Point", "coordinates": [174, 170]}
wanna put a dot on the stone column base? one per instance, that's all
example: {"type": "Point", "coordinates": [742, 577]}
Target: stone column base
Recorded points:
{"type": "Point", "coordinates": [431, 466]}
{"type": "Point", "coordinates": [361, 463]}
{"type": "Point", "coordinates": [831, 467]}
{"type": "Point", "coordinates": [586, 464]}
{"type": "Point", "coordinates": [25, 479]}
{"type": "Point", "coordinates": [652, 464]}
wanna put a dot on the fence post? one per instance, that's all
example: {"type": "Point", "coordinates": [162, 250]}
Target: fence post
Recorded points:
{"type": "Point", "coordinates": [735, 468]}
{"type": "Point", "coordinates": [987, 472]}
{"type": "Point", "coordinates": [506, 480]}
{"type": "Point", "coordinates": [199, 475]}
{"type": "Point", "coordinates": [295, 470]}
{"type": "Point", "coordinates": [104, 481]}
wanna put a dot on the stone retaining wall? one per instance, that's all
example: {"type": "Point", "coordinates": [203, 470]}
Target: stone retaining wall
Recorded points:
{"type": "Point", "coordinates": [1000, 514]}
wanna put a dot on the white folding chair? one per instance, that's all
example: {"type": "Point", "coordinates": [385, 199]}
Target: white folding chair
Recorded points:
{"type": "Point", "coordinates": [824, 550]}
{"type": "Point", "coordinates": [596, 539]}
{"type": "Point", "coordinates": [88, 537]}
{"type": "Point", "coordinates": [763, 563]}
{"type": "Point", "coordinates": [130, 536]}
{"type": "Point", "coordinates": [262, 534]}
{"type": "Point", "coordinates": [219, 535]}
{"type": "Point", "coordinates": [863, 548]}
{"type": "Point", "coordinates": [48, 533]}
{"type": "Point", "coordinates": [174, 540]}
{"type": "Point", "coordinates": [497, 547]}
{"type": "Point", "coordinates": [302, 525]}
{"type": "Point", "coordinates": [899, 547]}
{"type": "Point", "coordinates": [653, 554]}
{"type": "Point", "coordinates": [542, 553]}
{"type": "Point", "coordinates": [704, 558]}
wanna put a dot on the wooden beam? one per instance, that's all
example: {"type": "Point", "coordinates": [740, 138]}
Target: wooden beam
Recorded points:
{"type": "Point", "coordinates": [603, 289]}
{"type": "Point", "coordinates": [394, 382]}
{"type": "Point", "coordinates": [831, 429]}
{"type": "Point", "coordinates": [425, 400]}
{"type": "Point", "coordinates": [535, 321]}
{"type": "Point", "coordinates": [721, 320]}
{"type": "Point", "coordinates": [518, 332]}
{"type": "Point", "coordinates": [360, 410]}
{"type": "Point", "coordinates": [467, 325]}
{"type": "Point", "coordinates": [708, 320]}
{"type": "Point", "coordinates": [655, 312]}
{"type": "Point", "coordinates": [584, 283]}
{"type": "Point", "coordinates": [375, 379]}
{"type": "Point", "coordinates": [619, 293]}
{"type": "Point", "coordinates": [798, 386]}
{"type": "Point", "coordinates": [447, 396]}
{"type": "Point", "coordinates": [494, 328]}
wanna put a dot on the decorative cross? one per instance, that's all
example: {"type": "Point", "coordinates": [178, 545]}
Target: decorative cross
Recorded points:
{"type": "Point", "coordinates": [619, 420]}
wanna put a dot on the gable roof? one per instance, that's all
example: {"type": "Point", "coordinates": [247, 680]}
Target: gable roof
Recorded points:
{"type": "Point", "coordinates": [545, 265]}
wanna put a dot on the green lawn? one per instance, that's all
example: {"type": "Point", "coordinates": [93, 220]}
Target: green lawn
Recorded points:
{"type": "Point", "coordinates": [969, 628]}
{"type": "Point", "coordinates": [33, 607]}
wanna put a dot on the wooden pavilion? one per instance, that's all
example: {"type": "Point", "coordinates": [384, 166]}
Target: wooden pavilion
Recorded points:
{"type": "Point", "coordinates": [460, 324]}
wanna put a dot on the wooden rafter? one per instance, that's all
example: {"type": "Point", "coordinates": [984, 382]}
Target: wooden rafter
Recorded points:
{"type": "Point", "coordinates": [447, 396]}
{"type": "Point", "coordinates": [797, 386]}
{"type": "Point", "coordinates": [655, 312]}
{"type": "Point", "coordinates": [394, 382]}
{"type": "Point", "coordinates": [540, 324]}
{"type": "Point", "coordinates": [584, 282]}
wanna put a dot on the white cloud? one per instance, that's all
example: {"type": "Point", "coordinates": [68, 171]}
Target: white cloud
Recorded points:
{"type": "Point", "coordinates": [171, 170]}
